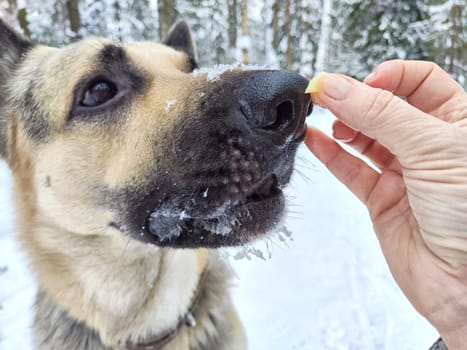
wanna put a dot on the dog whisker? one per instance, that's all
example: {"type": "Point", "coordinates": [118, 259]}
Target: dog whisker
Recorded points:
{"type": "Point", "coordinates": [208, 172]}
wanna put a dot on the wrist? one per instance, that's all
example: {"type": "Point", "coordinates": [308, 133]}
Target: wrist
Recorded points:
{"type": "Point", "coordinates": [457, 339]}
{"type": "Point", "coordinates": [450, 320]}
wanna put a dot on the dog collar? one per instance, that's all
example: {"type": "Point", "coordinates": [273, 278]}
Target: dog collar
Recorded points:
{"type": "Point", "coordinates": [439, 345]}
{"type": "Point", "coordinates": [158, 342]}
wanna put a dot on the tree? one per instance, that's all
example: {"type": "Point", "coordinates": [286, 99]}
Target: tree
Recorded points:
{"type": "Point", "coordinates": [74, 18]}
{"type": "Point", "coordinates": [232, 26]}
{"type": "Point", "coordinates": [288, 30]}
{"type": "Point", "coordinates": [168, 15]}
{"type": "Point", "coordinates": [146, 17]}
{"type": "Point", "coordinates": [214, 31]}
{"type": "Point", "coordinates": [378, 30]}
{"type": "Point", "coordinates": [322, 54]}
{"type": "Point", "coordinates": [308, 28]}
{"type": "Point", "coordinates": [130, 20]}
{"type": "Point", "coordinates": [347, 36]}
{"type": "Point", "coordinates": [446, 31]}
{"type": "Point", "coordinates": [245, 43]}
{"type": "Point", "coordinates": [276, 7]}
{"type": "Point", "coordinates": [48, 21]}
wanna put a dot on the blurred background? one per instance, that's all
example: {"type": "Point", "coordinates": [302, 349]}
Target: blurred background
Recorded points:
{"type": "Point", "coordinates": [307, 36]}
{"type": "Point", "coordinates": [321, 282]}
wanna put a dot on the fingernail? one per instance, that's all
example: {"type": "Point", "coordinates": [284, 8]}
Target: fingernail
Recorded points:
{"type": "Point", "coordinates": [343, 133]}
{"type": "Point", "coordinates": [335, 86]}
{"type": "Point", "coordinates": [370, 78]}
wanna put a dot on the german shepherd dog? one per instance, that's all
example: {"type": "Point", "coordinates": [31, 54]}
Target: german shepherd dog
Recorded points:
{"type": "Point", "coordinates": [130, 168]}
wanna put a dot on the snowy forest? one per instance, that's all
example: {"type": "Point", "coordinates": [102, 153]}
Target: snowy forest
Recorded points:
{"type": "Point", "coordinates": [306, 36]}
{"type": "Point", "coordinates": [327, 286]}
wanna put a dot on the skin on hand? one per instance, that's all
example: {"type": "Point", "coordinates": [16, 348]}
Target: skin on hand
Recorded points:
{"type": "Point", "coordinates": [418, 199]}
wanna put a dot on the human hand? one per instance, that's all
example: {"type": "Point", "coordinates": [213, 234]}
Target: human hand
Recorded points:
{"type": "Point", "coordinates": [418, 198]}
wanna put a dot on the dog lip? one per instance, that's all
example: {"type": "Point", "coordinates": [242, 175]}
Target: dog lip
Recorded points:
{"type": "Point", "coordinates": [300, 133]}
{"type": "Point", "coordinates": [236, 220]}
{"type": "Point", "coordinates": [269, 188]}
{"type": "Point", "coordinates": [242, 222]}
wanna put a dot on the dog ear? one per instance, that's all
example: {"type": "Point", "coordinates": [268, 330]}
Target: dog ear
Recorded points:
{"type": "Point", "coordinates": [12, 48]}
{"type": "Point", "coordinates": [180, 38]}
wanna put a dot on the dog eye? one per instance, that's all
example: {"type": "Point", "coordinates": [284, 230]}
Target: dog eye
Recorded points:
{"type": "Point", "coordinates": [98, 93]}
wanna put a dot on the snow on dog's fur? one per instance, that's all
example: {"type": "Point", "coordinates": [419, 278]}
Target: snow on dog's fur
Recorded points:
{"type": "Point", "coordinates": [122, 194]}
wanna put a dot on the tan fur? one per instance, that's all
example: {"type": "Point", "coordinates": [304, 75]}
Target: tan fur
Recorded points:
{"type": "Point", "coordinates": [124, 289]}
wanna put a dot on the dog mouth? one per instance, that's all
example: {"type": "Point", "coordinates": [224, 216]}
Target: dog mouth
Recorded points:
{"type": "Point", "coordinates": [267, 190]}
{"type": "Point", "coordinates": [236, 221]}
{"type": "Point", "coordinates": [220, 182]}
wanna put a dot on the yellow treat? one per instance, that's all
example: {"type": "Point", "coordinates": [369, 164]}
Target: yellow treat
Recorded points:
{"type": "Point", "coordinates": [314, 85]}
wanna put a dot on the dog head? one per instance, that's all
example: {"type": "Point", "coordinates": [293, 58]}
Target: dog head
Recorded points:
{"type": "Point", "coordinates": [133, 140]}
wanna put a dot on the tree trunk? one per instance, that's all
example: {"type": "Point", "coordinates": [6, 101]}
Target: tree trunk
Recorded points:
{"type": "Point", "coordinates": [455, 34]}
{"type": "Point", "coordinates": [233, 23]}
{"type": "Point", "coordinates": [275, 25]}
{"type": "Point", "coordinates": [325, 36]}
{"type": "Point", "coordinates": [118, 20]}
{"type": "Point", "coordinates": [167, 16]}
{"type": "Point", "coordinates": [288, 30]}
{"type": "Point", "coordinates": [245, 32]}
{"type": "Point", "coordinates": [142, 10]}
{"type": "Point", "coordinates": [23, 21]}
{"type": "Point", "coordinates": [74, 18]}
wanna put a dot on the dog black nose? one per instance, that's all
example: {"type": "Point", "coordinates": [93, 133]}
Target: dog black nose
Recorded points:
{"type": "Point", "coordinates": [275, 102]}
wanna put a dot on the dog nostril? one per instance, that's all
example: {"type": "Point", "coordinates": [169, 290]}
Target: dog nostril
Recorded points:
{"type": "Point", "coordinates": [309, 109]}
{"type": "Point", "coordinates": [284, 113]}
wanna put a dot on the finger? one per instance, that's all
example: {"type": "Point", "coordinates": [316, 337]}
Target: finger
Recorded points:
{"type": "Point", "coordinates": [376, 113]}
{"type": "Point", "coordinates": [343, 133]}
{"type": "Point", "coordinates": [425, 85]}
{"type": "Point", "coordinates": [351, 171]}
{"type": "Point", "coordinates": [368, 147]}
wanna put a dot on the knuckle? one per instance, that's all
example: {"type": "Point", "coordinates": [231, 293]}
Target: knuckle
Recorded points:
{"type": "Point", "coordinates": [378, 104]}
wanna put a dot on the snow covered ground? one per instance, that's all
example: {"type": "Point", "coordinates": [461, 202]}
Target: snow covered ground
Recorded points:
{"type": "Point", "coordinates": [327, 288]}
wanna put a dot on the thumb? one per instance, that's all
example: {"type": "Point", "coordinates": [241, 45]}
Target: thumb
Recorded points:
{"type": "Point", "coordinates": [377, 113]}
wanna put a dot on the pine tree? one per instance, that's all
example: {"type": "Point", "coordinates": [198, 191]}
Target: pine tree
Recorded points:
{"type": "Point", "coordinates": [446, 32]}
{"type": "Point", "coordinates": [307, 29]}
{"type": "Point", "coordinates": [348, 36]}
{"type": "Point", "coordinates": [147, 17]}
{"type": "Point", "coordinates": [48, 22]}
{"type": "Point", "coordinates": [209, 21]}
{"type": "Point", "coordinates": [130, 20]}
{"type": "Point", "coordinates": [293, 32]}
{"type": "Point", "coordinates": [378, 30]}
